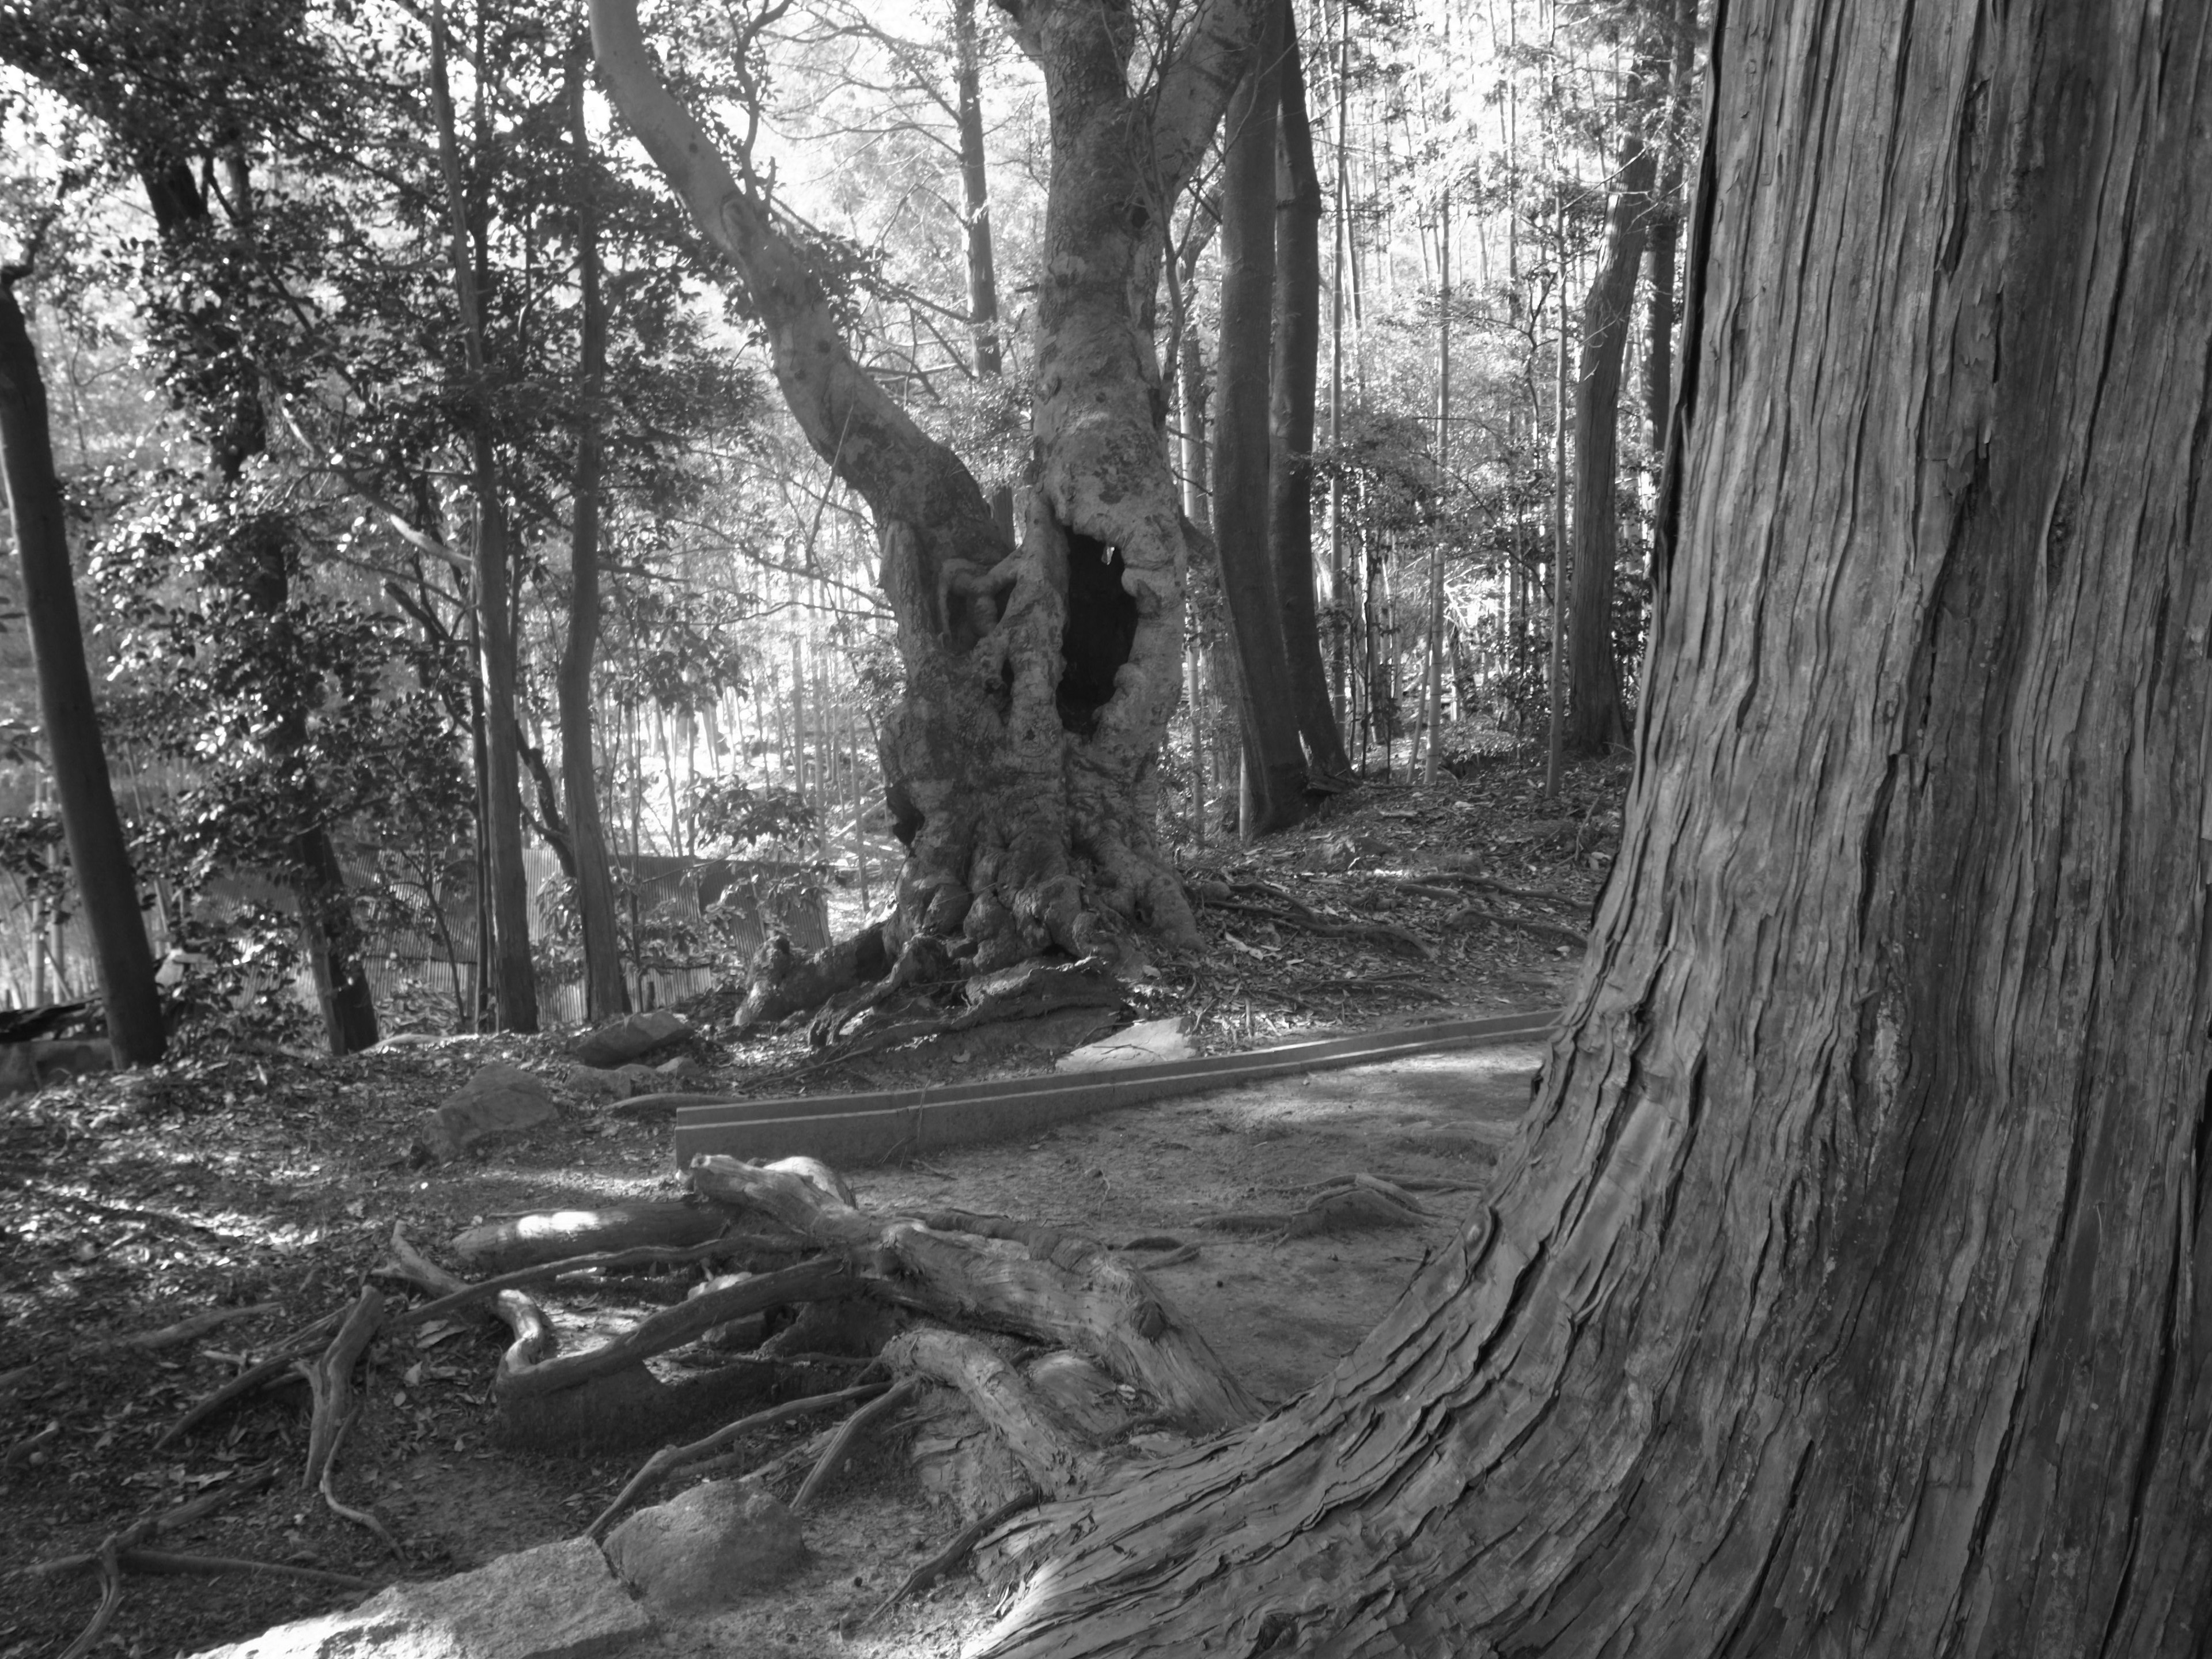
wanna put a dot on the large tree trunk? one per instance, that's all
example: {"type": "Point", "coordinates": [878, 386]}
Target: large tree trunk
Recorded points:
{"type": "Point", "coordinates": [1274, 763]}
{"type": "Point", "coordinates": [1849, 1292]}
{"type": "Point", "coordinates": [605, 994]}
{"type": "Point", "coordinates": [1292, 370]}
{"type": "Point", "coordinates": [1039, 678]}
{"type": "Point", "coordinates": [1595, 723]}
{"type": "Point", "coordinates": [99, 858]}
{"type": "Point", "coordinates": [513, 979]}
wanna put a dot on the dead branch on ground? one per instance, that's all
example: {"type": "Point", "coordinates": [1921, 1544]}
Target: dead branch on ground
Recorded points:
{"type": "Point", "coordinates": [948, 1559]}
{"type": "Point", "coordinates": [278, 1363]}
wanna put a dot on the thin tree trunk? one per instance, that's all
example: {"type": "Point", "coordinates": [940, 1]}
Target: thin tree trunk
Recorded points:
{"type": "Point", "coordinates": [220, 386]}
{"type": "Point", "coordinates": [1595, 723]}
{"type": "Point", "coordinates": [1273, 796]}
{"type": "Point", "coordinates": [604, 996]}
{"type": "Point", "coordinates": [1556, 691]}
{"type": "Point", "coordinates": [514, 978]}
{"type": "Point", "coordinates": [975, 193]}
{"type": "Point", "coordinates": [99, 857]}
{"type": "Point", "coordinates": [1293, 367]}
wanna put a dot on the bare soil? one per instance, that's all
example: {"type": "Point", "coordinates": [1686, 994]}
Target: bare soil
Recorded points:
{"type": "Point", "coordinates": [229, 1179]}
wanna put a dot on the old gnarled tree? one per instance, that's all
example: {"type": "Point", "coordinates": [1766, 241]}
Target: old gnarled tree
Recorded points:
{"type": "Point", "coordinates": [1039, 672]}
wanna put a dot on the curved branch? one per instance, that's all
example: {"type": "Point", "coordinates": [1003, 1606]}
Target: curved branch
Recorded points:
{"type": "Point", "coordinates": [852, 422]}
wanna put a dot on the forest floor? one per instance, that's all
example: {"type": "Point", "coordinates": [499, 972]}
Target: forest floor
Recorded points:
{"type": "Point", "coordinates": [271, 1182]}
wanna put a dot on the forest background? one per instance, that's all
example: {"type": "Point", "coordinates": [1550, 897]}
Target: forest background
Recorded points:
{"type": "Point", "coordinates": [343, 311]}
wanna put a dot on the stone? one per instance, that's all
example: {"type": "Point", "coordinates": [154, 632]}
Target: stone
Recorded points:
{"type": "Point", "coordinates": [682, 1066]}
{"type": "Point", "coordinates": [1141, 1044]}
{"type": "Point", "coordinates": [709, 1549]}
{"type": "Point", "coordinates": [557, 1602]}
{"type": "Point", "coordinates": [499, 1100]}
{"type": "Point", "coordinates": [631, 1036]}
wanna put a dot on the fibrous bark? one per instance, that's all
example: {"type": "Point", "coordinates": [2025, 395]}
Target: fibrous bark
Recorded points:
{"type": "Point", "coordinates": [1848, 1292]}
{"type": "Point", "coordinates": [107, 887]}
{"type": "Point", "coordinates": [1039, 677]}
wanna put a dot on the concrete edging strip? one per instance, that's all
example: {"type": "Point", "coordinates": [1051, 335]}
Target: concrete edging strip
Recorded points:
{"type": "Point", "coordinates": [868, 1128]}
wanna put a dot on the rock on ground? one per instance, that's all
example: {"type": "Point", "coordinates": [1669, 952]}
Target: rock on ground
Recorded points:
{"type": "Point", "coordinates": [557, 1602]}
{"type": "Point", "coordinates": [1139, 1045]}
{"type": "Point", "coordinates": [709, 1548]}
{"type": "Point", "coordinates": [499, 1100]}
{"type": "Point", "coordinates": [625, 1039]}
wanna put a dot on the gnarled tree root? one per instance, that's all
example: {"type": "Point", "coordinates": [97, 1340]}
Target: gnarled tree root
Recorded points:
{"type": "Point", "coordinates": [1032, 1281]}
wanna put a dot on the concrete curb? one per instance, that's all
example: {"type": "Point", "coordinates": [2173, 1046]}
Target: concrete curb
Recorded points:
{"type": "Point", "coordinates": [868, 1128]}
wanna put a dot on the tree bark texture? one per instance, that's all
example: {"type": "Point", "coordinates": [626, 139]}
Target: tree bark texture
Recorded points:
{"type": "Point", "coordinates": [605, 993]}
{"type": "Point", "coordinates": [1039, 678]}
{"type": "Point", "coordinates": [1294, 366]}
{"type": "Point", "coordinates": [506, 952]}
{"type": "Point", "coordinates": [1595, 723]}
{"type": "Point", "coordinates": [1849, 1290]}
{"type": "Point", "coordinates": [107, 887]}
{"type": "Point", "coordinates": [1274, 763]}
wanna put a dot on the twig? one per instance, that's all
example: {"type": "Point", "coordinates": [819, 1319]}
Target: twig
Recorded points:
{"type": "Point", "coordinates": [949, 1559]}
{"type": "Point", "coordinates": [841, 1443]}
{"type": "Point", "coordinates": [345, 1512]}
{"type": "Point", "coordinates": [154, 1526]}
{"type": "Point", "coordinates": [279, 1361]}
{"type": "Point", "coordinates": [669, 1459]}
{"type": "Point", "coordinates": [111, 1597]}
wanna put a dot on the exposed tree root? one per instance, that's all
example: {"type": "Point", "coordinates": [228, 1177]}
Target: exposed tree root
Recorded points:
{"type": "Point", "coordinates": [520, 1376]}
{"type": "Point", "coordinates": [1287, 910]}
{"type": "Point", "coordinates": [669, 1459]}
{"type": "Point", "coordinates": [1053, 1288]}
{"type": "Point", "coordinates": [784, 983]}
{"type": "Point", "coordinates": [531, 1241]}
{"type": "Point", "coordinates": [1029, 991]}
{"type": "Point", "coordinates": [117, 1547]}
{"type": "Point", "coordinates": [277, 1364]}
{"type": "Point", "coordinates": [949, 1559]}
{"type": "Point", "coordinates": [469, 1295]}
{"type": "Point", "coordinates": [156, 1564]}
{"type": "Point", "coordinates": [1537, 926]}
{"type": "Point", "coordinates": [331, 1379]}
{"type": "Point", "coordinates": [1360, 1203]}
{"type": "Point", "coordinates": [361, 1518]}
{"type": "Point", "coordinates": [847, 1436]}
